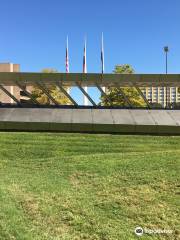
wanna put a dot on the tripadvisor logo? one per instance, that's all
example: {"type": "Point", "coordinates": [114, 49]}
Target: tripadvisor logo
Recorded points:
{"type": "Point", "coordinates": [138, 231]}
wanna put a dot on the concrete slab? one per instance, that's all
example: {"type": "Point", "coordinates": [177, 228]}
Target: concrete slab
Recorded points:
{"type": "Point", "coordinates": [149, 129]}
{"type": "Point", "coordinates": [102, 120]}
{"type": "Point", "coordinates": [26, 126]}
{"type": "Point", "coordinates": [5, 113]}
{"type": "Point", "coordinates": [91, 120]}
{"type": "Point", "coordinates": [175, 114]}
{"type": "Point", "coordinates": [143, 121]}
{"type": "Point", "coordinates": [61, 115]}
{"type": "Point", "coordinates": [163, 129]}
{"type": "Point", "coordinates": [40, 115]}
{"type": "Point", "coordinates": [122, 116]}
{"type": "Point", "coordinates": [82, 116]}
{"type": "Point", "coordinates": [60, 127]}
{"type": "Point", "coordinates": [162, 117]}
{"type": "Point", "coordinates": [2, 125]}
{"type": "Point", "coordinates": [142, 117]}
{"type": "Point", "coordinates": [123, 128]}
{"type": "Point", "coordinates": [19, 115]}
{"type": "Point", "coordinates": [82, 120]}
{"type": "Point", "coordinates": [81, 127]}
{"type": "Point", "coordinates": [123, 120]}
{"type": "Point", "coordinates": [102, 116]}
{"type": "Point", "coordinates": [103, 128]}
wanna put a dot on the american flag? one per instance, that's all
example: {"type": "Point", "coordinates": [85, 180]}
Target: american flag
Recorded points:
{"type": "Point", "coordinates": [67, 57]}
{"type": "Point", "coordinates": [102, 55]}
{"type": "Point", "coordinates": [84, 59]}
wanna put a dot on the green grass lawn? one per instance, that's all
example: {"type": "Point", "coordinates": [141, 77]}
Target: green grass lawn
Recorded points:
{"type": "Point", "coordinates": [82, 186]}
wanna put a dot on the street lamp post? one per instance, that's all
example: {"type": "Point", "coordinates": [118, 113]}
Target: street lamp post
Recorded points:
{"type": "Point", "coordinates": [166, 50]}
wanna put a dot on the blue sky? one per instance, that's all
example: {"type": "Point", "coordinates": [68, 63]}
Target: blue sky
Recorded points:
{"type": "Point", "coordinates": [33, 33]}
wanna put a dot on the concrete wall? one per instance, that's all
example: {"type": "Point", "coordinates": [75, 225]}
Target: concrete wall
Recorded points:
{"type": "Point", "coordinates": [128, 121]}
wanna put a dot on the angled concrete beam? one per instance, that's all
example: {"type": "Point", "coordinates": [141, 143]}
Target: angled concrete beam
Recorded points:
{"type": "Point", "coordinates": [143, 97]}
{"type": "Point", "coordinates": [103, 92]}
{"type": "Point", "coordinates": [86, 94]}
{"type": "Point", "coordinates": [122, 93]}
{"type": "Point", "coordinates": [125, 97]}
{"type": "Point", "coordinates": [66, 94]}
{"type": "Point", "coordinates": [27, 93]}
{"type": "Point", "coordinates": [44, 90]}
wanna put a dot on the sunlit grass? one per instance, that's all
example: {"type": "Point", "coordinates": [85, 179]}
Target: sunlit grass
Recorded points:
{"type": "Point", "coordinates": [82, 186]}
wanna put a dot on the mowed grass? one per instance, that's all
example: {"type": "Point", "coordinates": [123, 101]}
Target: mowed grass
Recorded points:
{"type": "Point", "coordinates": [82, 186]}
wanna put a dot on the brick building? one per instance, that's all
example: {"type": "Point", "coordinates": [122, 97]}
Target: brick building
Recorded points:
{"type": "Point", "coordinates": [9, 67]}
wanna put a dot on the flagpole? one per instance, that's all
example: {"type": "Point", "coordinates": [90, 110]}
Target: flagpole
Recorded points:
{"type": "Point", "coordinates": [85, 71]}
{"type": "Point", "coordinates": [67, 61]}
{"type": "Point", "coordinates": [67, 56]}
{"type": "Point", "coordinates": [102, 58]}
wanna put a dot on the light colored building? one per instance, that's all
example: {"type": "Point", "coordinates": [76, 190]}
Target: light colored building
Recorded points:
{"type": "Point", "coordinates": [9, 67]}
{"type": "Point", "coordinates": [158, 95]}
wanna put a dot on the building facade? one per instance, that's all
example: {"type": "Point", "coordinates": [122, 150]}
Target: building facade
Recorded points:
{"type": "Point", "coordinates": [161, 95]}
{"type": "Point", "coordinates": [9, 67]}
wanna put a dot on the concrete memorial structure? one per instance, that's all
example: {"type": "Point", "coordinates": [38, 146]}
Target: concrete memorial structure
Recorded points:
{"type": "Point", "coordinates": [86, 119]}
{"type": "Point", "coordinates": [91, 120]}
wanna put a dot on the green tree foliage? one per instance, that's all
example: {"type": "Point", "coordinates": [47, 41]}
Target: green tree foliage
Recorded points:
{"type": "Point", "coordinates": [123, 69]}
{"type": "Point", "coordinates": [53, 90]}
{"type": "Point", "coordinates": [113, 95]}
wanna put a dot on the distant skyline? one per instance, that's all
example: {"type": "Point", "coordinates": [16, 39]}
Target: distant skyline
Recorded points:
{"type": "Point", "coordinates": [33, 34]}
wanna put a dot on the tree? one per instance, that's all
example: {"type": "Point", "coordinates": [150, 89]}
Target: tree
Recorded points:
{"type": "Point", "coordinates": [123, 69]}
{"type": "Point", "coordinates": [53, 90]}
{"type": "Point", "coordinates": [114, 95]}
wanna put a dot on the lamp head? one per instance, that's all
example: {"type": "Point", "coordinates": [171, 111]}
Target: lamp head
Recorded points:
{"type": "Point", "coordinates": [166, 49]}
